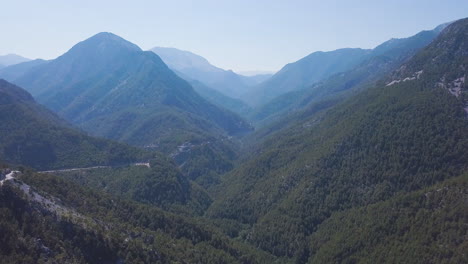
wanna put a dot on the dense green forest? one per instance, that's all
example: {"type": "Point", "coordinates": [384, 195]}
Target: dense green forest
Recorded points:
{"type": "Point", "coordinates": [426, 226]}
{"type": "Point", "coordinates": [109, 87]}
{"type": "Point", "coordinates": [33, 136]}
{"type": "Point", "coordinates": [386, 140]}
{"type": "Point", "coordinates": [162, 185]}
{"type": "Point", "coordinates": [367, 165]}
{"type": "Point", "coordinates": [84, 226]}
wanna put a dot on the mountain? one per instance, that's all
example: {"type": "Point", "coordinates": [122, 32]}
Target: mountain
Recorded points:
{"type": "Point", "coordinates": [256, 73]}
{"type": "Point", "coordinates": [300, 192]}
{"type": "Point", "coordinates": [198, 68]}
{"type": "Point", "coordinates": [99, 76]}
{"type": "Point", "coordinates": [15, 71]}
{"type": "Point", "coordinates": [184, 60]}
{"type": "Point", "coordinates": [256, 79]}
{"type": "Point", "coordinates": [45, 219]}
{"type": "Point", "coordinates": [395, 230]}
{"type": "Point", "coordinates": [11, 59]}
{"type": "Point", "coordinates": [217, 98]}
{"type": "Point", "coordinates": [320, 66]}
{"type": "Point", "coordinates": [304, 72]}
{"type": "Point", "coordinates": [109, 87]}
{"type": "Point", "coordinates": [160, 184]}
{"type": "Point", "coordinates": [33, 136]}
{"type": "Point", "coordinates": [382, 60]}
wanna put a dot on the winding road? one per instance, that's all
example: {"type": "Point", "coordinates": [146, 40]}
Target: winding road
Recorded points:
{"type": "Point", "coordinates": [146, 164]}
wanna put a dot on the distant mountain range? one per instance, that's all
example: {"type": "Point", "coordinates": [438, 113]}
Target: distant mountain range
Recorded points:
{"type": "Point", "coordinates": [11, 59]}
{"type": "Point", "coordinates": [304, 72]}
{"type": "Point", "coordinates": [320, 66]}
{"type": "Point", "coordinates": [380, 61]}
{"type": "Point", "coordinates": [194, 67]}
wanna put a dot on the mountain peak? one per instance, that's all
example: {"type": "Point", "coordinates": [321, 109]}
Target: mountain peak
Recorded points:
{"type": "Point", "coordinates": [108, 36]}
{"type": "Point", "coordinates": [105, 42]}
{"type": "Point", "coordinates": [12, 59]}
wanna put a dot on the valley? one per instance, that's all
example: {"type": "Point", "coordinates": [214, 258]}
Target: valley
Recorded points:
{"type": "Point", "coordinates": [110, 153]}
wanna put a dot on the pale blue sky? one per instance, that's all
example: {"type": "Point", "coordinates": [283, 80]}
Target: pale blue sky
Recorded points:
{"type": "Point", "coordinates": [239, 35]}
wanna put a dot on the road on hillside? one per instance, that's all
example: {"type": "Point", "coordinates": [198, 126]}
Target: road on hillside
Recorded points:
{"type": "Point", "coordinates": [146, 164]}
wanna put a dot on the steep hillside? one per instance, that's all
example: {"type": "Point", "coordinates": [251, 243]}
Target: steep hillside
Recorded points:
{"type": "Point", "coordinates": [404, 134]}
{"type": "Point", "coordinates": [45, 219]}
{"type": "Point", "coordinates": [426, 226]}
{"type": "Point", "coordinates": [161, 185]}
{"type": "Point", "coordinates": [32, 135]}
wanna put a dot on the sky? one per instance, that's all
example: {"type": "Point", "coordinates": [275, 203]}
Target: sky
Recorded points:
{"type": "Point", "coordinates": [242, 35]}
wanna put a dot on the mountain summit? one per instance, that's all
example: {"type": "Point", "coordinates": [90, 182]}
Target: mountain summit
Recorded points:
{"type": "Point", "coordinates": [11, 59]}
{"type": "Point", "coordinates": [106, 42]}
{"type": "Point", "coordinates": [111, 88]}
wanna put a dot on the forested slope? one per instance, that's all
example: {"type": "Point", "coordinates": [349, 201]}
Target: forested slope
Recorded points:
{"type": "Point", "coordinates": [406, 133]}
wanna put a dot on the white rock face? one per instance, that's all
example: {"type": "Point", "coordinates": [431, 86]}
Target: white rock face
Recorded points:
{"type": "Point", "coordinates": [10, 176]}
{"type": "Point", "coordinates": [413, 77]}
{"type": "Point", "coordinates": [455, 87]}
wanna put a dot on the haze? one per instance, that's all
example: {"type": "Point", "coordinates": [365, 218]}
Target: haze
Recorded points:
{"type": "Point", "coordinates": [239, 35]}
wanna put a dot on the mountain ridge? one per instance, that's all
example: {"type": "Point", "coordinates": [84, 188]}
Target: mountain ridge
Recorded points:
{"type": "Point", "coordinates": [384, 58]}
{"type": "Point", "coordinates": [35, 137]}
{"type": "Point", "coordinates": [196, 67]}
{"type": "Point", "coordinates": [72, 73]}
{"type": "Point", "coordinates": [318, 66]}
{"type": "Point", "coordinates": [110, 88]}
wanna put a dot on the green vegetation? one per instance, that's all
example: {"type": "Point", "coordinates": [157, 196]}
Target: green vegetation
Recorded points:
{"type": "Point", "coordinates": [387, 140]}
{"type": "Point", "coordinates": [381, 61]}
{"type": "Point", "coordinates": [103, 229]}
{"type": "Point", "coordinates": [400, 140]}
{"type": "Point", "coordinates": [35, 137]}
{"type": "Point", "coordinates": [110, 88]}
{"type": "Point", "coordinates": [114, 80]}
{"type": "Point", "coordinates": [427, 226]}
{"type": "Point", "coordinates": [162, 185]}
{"type": "Point", "coordinates": [369, 167]}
